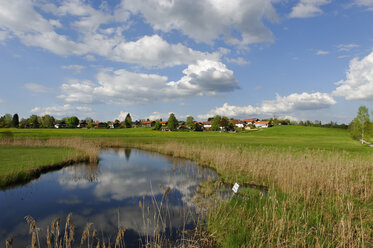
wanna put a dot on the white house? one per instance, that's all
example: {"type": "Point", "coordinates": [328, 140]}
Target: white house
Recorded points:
{"type": "Point", "coordinates": [261, 124]}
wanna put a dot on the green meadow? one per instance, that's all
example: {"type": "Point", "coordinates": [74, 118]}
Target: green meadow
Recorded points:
{"type": "Point", "coordinates": [296, 137]}
{"type": "Point", "coordinates": [319, 181]}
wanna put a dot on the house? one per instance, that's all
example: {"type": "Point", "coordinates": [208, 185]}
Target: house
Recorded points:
{"type": "Point", "coordinates": [82, 124]}
{"type": "Point", "coordinates": [207, 124]}
{"type": "Point", "coordinates": [101, 124]}
{"type": "Point", "coordinates": [147, 123]}
{"type": "Point", "coordinates": [60, 125]}
{"type": "Point", "coordinates": [261, 124]}
{"type": "Point", "coordinates": [164, 123]}
{"type": "Point", "coordinates": [251, 121]}
{"type": "Point", "coordinates": [165, 128]}
{"type": "Point", "coordinates": [238, 123]}
{"type": "Point", "coordinates": [114, 124]}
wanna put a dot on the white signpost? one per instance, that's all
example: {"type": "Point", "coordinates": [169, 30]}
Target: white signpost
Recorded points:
{"type": "Point", "coordinates": [235, 187]}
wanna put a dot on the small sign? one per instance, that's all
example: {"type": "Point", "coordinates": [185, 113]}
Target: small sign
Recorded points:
{"type": "Point", "coordinates": [235, 187]}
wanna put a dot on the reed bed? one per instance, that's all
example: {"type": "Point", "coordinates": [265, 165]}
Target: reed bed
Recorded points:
{"type": "Point", "coordinates": [157, 220]}
{"type": "Point", "coordinates": [315, 198]}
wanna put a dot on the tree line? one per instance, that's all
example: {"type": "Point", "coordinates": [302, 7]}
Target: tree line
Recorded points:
{"type": "Point", "coordinates": [48, 121]}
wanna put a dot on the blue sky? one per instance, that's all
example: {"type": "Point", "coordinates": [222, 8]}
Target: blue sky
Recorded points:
{"type": "Point", "coordinates": [300, 59]}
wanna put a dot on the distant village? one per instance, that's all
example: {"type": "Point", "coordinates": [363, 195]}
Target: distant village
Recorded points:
{"type": "Point", "coordinates": [216, 123]}
{"type": "Point", "coordinates": [246, 124]}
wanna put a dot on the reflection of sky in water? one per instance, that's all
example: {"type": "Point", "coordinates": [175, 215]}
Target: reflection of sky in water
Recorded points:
{"type": "Point", "coordinates": [93, 193]}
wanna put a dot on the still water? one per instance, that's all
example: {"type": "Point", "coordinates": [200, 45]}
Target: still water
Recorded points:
{"type": "Point", "coordinates": [108, 194]}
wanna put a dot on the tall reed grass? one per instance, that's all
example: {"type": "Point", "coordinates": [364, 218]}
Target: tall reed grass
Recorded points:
{"type": "Point", "coordinates": [316, 198]}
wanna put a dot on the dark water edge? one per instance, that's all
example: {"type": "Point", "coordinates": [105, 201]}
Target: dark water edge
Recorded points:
{"type": "Point", "coordinates": [94, 192]}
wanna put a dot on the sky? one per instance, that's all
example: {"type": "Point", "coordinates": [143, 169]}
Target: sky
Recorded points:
{"type": "Point", "coordinates": [297, 59]}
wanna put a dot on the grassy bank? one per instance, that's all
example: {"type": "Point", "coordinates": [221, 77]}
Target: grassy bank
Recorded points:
{"type": "Point", "coordinates": [320, 182]}
{"type": "Point", "coordinates": [22, 160]}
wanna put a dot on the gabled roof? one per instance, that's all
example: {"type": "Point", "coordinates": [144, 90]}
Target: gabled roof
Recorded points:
{"type": "Point", "coordinates": [207, 123]}
{"type": "Point", "coordinates": [146, 122]}
{"type": "Point", "coordinates": [251, 120]}
{"type": "Point", "coordinates": [262, 122]}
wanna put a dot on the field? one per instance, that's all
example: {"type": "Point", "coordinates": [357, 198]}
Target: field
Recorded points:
{"type": "Point", "coordinates": [319, 181]}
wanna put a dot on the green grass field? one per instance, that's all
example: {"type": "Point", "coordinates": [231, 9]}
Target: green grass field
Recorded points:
{"type": "Point", "coordinates": [17, 162]}
{"type": "Point", "coordinates": [296, 137]}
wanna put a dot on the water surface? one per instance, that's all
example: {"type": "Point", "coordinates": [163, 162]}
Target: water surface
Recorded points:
{"type": "Point", "coordinates": [101, 192]}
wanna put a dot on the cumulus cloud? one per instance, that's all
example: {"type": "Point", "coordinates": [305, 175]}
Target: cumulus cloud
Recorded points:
{"type": "Point", "coordinates": [282, 105]}
{"type": "Point", "coordinates": [308, 8]}
{"type": "Point", "coordinates": [19, 18]}
{"type": "Point", "coordinates": [122, 116]}
{"type": "Point", "coordinates": [358, 84]}
{"type": "Point", "coordinates": [208, 20]}
{"type": "Point", "coordinates": [63, 110]}
{"type": "Point", "coordinates": [75, 68]}
{"type": "Point", "coordinates": [154, 51]}
{"type": "Point", "coordinates": [203, 78]}
{"type": "Point", "coordinates": [37, 88]}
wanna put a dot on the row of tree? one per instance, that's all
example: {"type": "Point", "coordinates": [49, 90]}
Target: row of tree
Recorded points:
{"type": "Point", "coordinates": [48, 121]}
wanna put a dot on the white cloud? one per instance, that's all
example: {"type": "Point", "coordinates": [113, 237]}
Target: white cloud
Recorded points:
{"type": "Point", "coordinates": [75, 68]}
{"type": "Point", "coordinates": [358, 84]}
{"type": "Point", "coordinates": [64, 110]}
{"type": "Point", "coordinates": [20, 19]}
{"type": "Point", "coordinates": [37, 88]}
{"type": "Point", "coordinates": [294, 102]}
{"type": "Point", "coordinates": [205, 77]}
{"type": "Point", "coordinates": [208, 20]}
{"type": "Point", "coordinates": [157, 116]}
{"type": "Point", "coordinates": [1, 101]}
{"type": "Point", "coordinates": [346, 47]}
{"type": "Point", "coordinates": [152, 51]}
{"type": "Point", "coordinates": [282, 105]}
{"type": "Point", "coordinates": [122, 116]}
{"type": "Point", "coordinates": [308, 8]}
{"type": "Point", "coordinates": [322, 52]}
{"type": "Point", "coordinates": [365, 3]}
{"type": "Point", "coordinates": [238, 61]}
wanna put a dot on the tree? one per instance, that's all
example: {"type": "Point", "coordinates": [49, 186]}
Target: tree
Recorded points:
{"type": "Point", "coordinates": [34, 120]}
{"type": "Point", "coordinates": [47, 121]}
{"type": "Point", "coordinates": [15, 120]}
{"type": "Point", "coordinates": [128, 121]}
{"type": "Point", "coordinates": [172, 122]}
{"type": "Point", "coordinates": [216, 123]}
{"type": "Point", "coordinates": [189, 122]}
{"type": "Point", "coordinates": [224, 123]}
{"type": "Point", "coordinates": [72, 122]}
{"type": "Point", "coordinates": [197, 127]}
{"type": "Point", "coordinates": [360, 128]}
{"type": "Point", "coordinates": [157, 126]}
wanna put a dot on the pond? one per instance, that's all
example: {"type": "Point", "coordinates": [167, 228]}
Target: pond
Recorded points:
{"type": "Point", "coordinates": [126, 188]}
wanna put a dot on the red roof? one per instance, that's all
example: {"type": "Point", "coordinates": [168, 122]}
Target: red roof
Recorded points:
{"type": "Point", "coordinates": [207, 123]}
{"type": "Point", "coordinates": [262, 122]}
{"type": "Point", "coordinates": [147, 122]}
{"type": "Point", "coordinates": [251, 120]}
{"type": "Point", "coordinates": [163, 122]}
